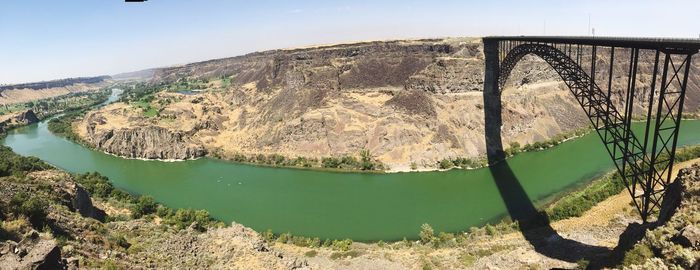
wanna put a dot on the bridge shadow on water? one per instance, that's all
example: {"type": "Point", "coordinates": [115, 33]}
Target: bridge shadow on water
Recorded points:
{"type": "Point", "coordinates": [533, 224]}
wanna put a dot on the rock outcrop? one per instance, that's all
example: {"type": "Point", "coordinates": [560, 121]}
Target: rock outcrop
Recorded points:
{"type": "Point", "coordinates": [31, 253]}
{"type": "Point", "coordinates": [24, 118]}
{"type": "Point", "coordinates": [146, 142]}
{"type": "Point", "coordinates": [675, 236]}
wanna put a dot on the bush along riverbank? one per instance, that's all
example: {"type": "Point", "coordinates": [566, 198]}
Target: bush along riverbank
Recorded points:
{"type": "Point", "coordinates": [512, 150]}
{"type": "Point", "coordinates": [42, 206]}
{"type": "Point", "coordinates": [576, 203]}
{"type": "Point", "coordinates": [363, 161]}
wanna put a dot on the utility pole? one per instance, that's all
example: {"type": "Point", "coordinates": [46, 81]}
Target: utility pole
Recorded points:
{"type": "Point", "coordinates": [544, 28]}
{"type": "Point", "coordinates": [589, 24]}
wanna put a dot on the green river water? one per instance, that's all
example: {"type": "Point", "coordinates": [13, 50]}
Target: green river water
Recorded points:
{"type": "Point", "coordinates": [363, 207]}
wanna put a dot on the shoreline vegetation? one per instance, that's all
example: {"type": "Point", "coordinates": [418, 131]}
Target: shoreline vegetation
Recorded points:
{"type": "Point", "coordinates": [572, 203]}
{"type": "Point", "coordinates": [49, 107]}
{"type": "Point", "coordinates": [142, 95]}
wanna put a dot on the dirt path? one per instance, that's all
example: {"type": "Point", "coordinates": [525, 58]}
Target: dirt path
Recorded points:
{"type": "Point", "coordinates": [605, 211]}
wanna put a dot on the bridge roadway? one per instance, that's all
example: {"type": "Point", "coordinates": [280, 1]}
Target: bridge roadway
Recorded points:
{"type": "Point", "coordinates": [644, 160]}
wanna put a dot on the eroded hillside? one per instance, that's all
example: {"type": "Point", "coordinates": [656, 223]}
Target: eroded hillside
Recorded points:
{"type": "Point", "coordinates": [20, 93]}
{"type": "Point", "coordinates": [407, 102]}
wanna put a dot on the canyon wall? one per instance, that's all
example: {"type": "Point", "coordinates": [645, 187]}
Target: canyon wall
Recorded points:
{"type": "Point", "coordinates": [414, 101]}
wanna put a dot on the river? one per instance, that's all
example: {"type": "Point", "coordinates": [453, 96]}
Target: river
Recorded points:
{"type": "Point", "coordinates": [363, 207]}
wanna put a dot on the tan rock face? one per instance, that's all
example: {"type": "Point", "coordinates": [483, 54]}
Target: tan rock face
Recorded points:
{"type": "Point", "coordinates": [20, 93]}
{"type": "Point", "coordinates": [405, 101]}
{"type": "Point", "coordinates": [147, 142]}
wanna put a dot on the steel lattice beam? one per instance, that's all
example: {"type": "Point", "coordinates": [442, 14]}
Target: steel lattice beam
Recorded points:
{"type": "Point", "coordinates": [645, 162]}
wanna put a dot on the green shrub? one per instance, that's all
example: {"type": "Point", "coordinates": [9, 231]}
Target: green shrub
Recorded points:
{"type": "Point", "coordinates": [327, 242]}
{"type": "Point", "coordinates": [407, 243]}
{"type": "Point", "coordinates": [330, 162]}
{"type": "Point", "coordinates": [119, 241]}
{"type": "Point", "coordinates": [426, 234]}
{"type": "Point", "coordinates": [144, 205]}
{"type": "Point", "coordinates": [342, 245]}
{"type": "Point", "coordinates": [268, 236]}
{"type": "Point", "coordinates": [311, 253]}
{"type": "Point", "coordinates": [582, 264]}
{"type": "Point", "coordinates": [638, 255]}
{"type": "Point", "coordinates": [349, 162]}
{"type": "Point", "coordinates": [13, 164]}
{"type": "Point", "coordinates": [445, 164]}
{"type": "Point", "coordinates": [316, 242]}
{"type": "Point", "coordinates": [31, 207]}
{"type": "Point", "coordinates": [490, 230]}
{"type": "Point", "coordinates": [183, 218]}
{"type": "Point", "coordinates": [366, 160]}
{"type": "Point", "coordinates": [276, 159]}
{"type": "Point", "coordinates": [575, 204]}
{"type": "Point", "coordinates": [284, 238]}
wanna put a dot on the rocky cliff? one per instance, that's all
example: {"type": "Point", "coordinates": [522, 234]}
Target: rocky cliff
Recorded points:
{"type": "Point", "coordinates": [416, 101]}
{"type": "Point", "coordinates": [17, 119]}
{"type": "Point", "coordinates": [25, 92]}
{"type": "Point", "coordinates": [145, 142]}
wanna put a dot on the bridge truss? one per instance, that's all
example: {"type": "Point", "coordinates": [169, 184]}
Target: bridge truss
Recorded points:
{"type": "Point", "coordinates": [616, 81]}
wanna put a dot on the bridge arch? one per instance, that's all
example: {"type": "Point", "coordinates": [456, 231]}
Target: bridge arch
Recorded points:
{"type": "Point", "coordinates": [558, 60]}
{"type": "Point", "coordinates": [644, 160]}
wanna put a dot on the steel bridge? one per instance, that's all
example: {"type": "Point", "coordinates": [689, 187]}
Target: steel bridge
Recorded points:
{"type": "Point", "coordinates": [610, 78]}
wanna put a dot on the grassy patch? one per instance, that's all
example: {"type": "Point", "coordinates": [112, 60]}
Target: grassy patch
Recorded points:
{"type": "Point", "coordinates": [150, 112]}
{"type": "Point", "coordinates": [467, 259]}
{"type": "Point", "coordinates": [311, 253]}
{"type": "Point", "coordinates": [346, 254]}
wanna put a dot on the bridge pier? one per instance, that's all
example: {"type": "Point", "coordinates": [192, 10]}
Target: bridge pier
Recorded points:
{"type": "Point", "coordinates": [492, 103]}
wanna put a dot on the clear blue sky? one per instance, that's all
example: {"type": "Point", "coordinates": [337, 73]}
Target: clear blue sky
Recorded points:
{"type": "Point", "coordinates": [42, 40]}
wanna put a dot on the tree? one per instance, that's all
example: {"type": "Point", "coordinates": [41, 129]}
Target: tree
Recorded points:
{"type": "Point", "coordinates": [144, 206]}
{"type": "Point", "coordinates": [445, 164]}
{"type": "Point", "coordinates": [427, 234]}
{"type": "Point", "coordinates": [22, 204]}
{"type": "Point", "coordinates": [366, 158]}
{"type": "Point", "coordinates": [515, 147]}
{"type": "Point", "coordinates": [330, 162]}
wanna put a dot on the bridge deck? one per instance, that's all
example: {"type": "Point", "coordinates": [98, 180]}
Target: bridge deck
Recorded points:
{"type": "Point", "coordinates": [621, 42]}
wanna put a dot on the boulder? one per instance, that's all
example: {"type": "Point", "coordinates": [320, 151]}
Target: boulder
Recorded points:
{"type": "Point", "coordinates": [82, 203]}
{"type": "Point", "coordinates": [39, 255]}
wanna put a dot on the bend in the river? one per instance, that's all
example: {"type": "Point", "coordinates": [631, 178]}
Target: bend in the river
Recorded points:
{"type": "Point", "coordinates": [359, 206]}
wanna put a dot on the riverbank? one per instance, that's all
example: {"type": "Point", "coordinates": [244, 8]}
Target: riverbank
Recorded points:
{"type": "Point", "coordinates": [162, 238]}
{"type": "Point", "coordinates": [390, 205]}
{"type": "Point", "coordinates": [364, 162]}
{"type": "Point", "coordinates": [493, 250]}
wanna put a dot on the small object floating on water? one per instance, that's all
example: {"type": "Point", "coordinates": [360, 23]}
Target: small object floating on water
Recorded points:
{"type": "Point", "coordinates": [240, 183]}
